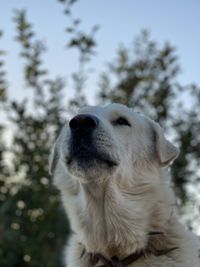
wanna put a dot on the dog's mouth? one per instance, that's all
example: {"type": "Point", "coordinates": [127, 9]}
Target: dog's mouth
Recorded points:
{"type": "Point", "coordinates": [87, 155]}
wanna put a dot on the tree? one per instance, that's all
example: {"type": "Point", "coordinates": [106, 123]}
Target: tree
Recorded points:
{"type": "Point", "coordinates": [33, 224]}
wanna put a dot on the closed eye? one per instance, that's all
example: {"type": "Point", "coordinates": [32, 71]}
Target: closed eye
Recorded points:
{"type": "Point", "coordinates": [121, 121]}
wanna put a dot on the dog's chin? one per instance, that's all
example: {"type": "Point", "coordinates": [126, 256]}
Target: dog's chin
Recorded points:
{"type": "Point", "coordinates": [90, 167]}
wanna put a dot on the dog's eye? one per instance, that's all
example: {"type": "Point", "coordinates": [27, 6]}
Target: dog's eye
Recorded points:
{"type": "Point", "coordinates": [122, 121]}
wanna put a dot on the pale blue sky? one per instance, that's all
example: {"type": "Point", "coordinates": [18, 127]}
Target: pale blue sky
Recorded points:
{"type": "Point", "coordinates": [176, 21]}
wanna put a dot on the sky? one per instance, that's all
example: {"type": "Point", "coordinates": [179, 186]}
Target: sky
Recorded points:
{"type": "Point", "coordinates": [176, 21]}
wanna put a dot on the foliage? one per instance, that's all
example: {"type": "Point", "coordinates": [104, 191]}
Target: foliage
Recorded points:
{"type": "Point", "coordinates": [32, 224]}
{"type": "Point", "coordinates": [85, 44]}
{"type": "Point", "coordinates": [3, 84]}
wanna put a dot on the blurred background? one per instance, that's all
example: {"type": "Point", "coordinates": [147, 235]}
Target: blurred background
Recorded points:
{"type": "Point", "coordinates": [57, 55]}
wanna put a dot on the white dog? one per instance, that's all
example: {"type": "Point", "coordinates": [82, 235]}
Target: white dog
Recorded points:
{"type": "Point", "coordinates": [110, 165]}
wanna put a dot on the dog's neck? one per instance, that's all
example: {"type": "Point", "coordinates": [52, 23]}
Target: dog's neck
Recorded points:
{"type": "Point", "coordinates": [115, 261]}
{"type": "Point", "coordinates": [119, 220]}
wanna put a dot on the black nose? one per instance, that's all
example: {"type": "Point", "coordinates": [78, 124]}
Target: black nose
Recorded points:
{"type": "Point", "coordinates": [84, 122]}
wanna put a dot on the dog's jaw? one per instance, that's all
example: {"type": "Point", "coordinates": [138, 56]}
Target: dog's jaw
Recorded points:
{"type": "Point", "coordinates": [90, 156]}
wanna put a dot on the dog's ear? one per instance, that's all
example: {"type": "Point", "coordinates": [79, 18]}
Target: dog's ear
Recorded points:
{"type": "Point", "coordinates": [165, 150]}
{"type": "Point", "coordinates": [53, 158]}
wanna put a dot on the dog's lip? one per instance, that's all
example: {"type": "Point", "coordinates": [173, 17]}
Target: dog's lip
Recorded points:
{"type": "Point", "coordinates": [107, 160]}
{"type": "Point", "coordinates": [90, 154]}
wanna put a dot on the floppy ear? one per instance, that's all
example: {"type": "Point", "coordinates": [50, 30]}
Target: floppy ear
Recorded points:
{"type": "Point", "coordinates": [165, 150]}
{"type": "Point", "coordinates": [53, 158]}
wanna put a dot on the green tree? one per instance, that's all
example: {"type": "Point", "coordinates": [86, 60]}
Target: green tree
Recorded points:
{"type": "Point", "coordinates": [3, 84]}
{"type": "Point", "coordinates": [85, 44]}
{"type": "Point", "coordinates": [32, 222]}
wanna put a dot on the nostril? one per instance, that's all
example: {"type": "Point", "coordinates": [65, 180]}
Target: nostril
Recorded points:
{"type": "Point", "coordinates": [73, 124]}
{"type": "Point", "coordinates": [83, 121]}
{"type": "Point", "coordinates": [90, 122]}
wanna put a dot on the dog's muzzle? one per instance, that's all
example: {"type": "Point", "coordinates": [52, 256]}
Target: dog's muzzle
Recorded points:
{"type": "Point", "coordinates": [83, 144]}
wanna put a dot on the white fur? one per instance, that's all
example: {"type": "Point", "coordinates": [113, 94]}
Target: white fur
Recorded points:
{"type": "Point", "coordinates": [112, 211]}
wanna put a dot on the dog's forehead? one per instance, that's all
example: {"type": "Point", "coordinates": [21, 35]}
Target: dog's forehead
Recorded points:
{"type": "Point", "coordinates": [116, 110]}
{"type": "Point", "coordinates": [93, 110]}
{"type": "Point", "coordinates": [109, 110]}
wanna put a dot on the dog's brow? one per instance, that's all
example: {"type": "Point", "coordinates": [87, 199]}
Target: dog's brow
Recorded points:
{"type": "Point", "coordinates": [117, 113]}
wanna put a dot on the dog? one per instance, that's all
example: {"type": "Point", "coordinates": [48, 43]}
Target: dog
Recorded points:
{"type": "Point", "coordinates": [111, 167]}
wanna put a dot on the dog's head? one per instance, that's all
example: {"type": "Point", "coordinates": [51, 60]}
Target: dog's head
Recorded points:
{"type": "Point", "coordinates": [100, 142]}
